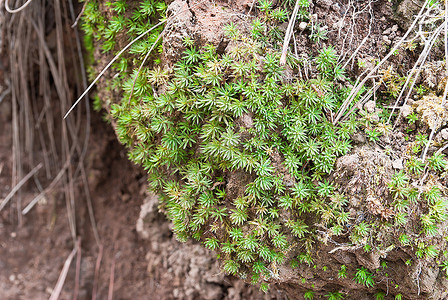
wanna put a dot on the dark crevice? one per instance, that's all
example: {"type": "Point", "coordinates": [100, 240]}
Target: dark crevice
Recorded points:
{"type": "Point", "coordinates": [193, 18]}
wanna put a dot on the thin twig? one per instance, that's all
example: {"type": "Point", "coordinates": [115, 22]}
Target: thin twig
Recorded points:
{"type": "Point", "coordinates": [97, 272]}
{"type": "Point", "coordinates": [50, 187]}
{"type": "Point", "coordinates": [13, 11]}
{"type": "Point", "coordinates": [418, 277]}
{"type": "Point", "coordinates": [53, 68]}
{"type": "Point", "coordinates": [141, 66]}
{"type": "Point", "coordinates": [90, 207]}
{"type": "Point", "coordinates": [120, 53]}
{"type": "Point", "coordinates": [5, 92]}
{"type": "Point", "coordinates": [110, 294]}
{"type": "Point", "coordinates": [356, 51]}
{"type": "Point", "coordinates": [19, 185]}
{"type": "Point", "coordinates": [84, 86]}
{"type": "Point", "coordinates": [288, 34]}
{"type": "Point", "coordinates": [78, 269]}
{"type": "Point", "coordinates": [58, 288]}
{"type": "Point", "coordinates": [80, 14]}
{"type": "Point", "coordinates": [251, 6]}
{"type": "Point", "coordinates": [442, 149]}
{"type": "Point", "coordinates": [344, 248]}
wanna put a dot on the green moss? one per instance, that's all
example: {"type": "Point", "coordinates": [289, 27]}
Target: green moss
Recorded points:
{"type": "Point", "coordinates": [225, 114]}
{"type": "Point", "coordinates": [198, 137]}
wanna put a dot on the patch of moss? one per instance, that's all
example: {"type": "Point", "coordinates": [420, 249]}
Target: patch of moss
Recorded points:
{"type": "Point", "coordinates": [240, 147]}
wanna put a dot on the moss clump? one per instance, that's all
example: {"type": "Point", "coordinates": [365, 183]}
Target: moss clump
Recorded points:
{"type": "Point", "coordinates": [240, 147]}
{"type": "Point", "coordinates": [233, 118]}
{"type": "Point", "coordinates": [236, 117]}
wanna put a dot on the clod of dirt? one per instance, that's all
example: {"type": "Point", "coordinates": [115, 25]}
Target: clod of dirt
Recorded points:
{"type": "Point", "coordinates": [398, 164]}
{"type": "Point", "coordinates": [405, 110]}
{"type": "Point", "coordinates": [370, 106]}
{"type": "Point", "coordinates": [364, 175]}
{"type": "Point", "coordinates": [444, 134]}
{"type": "Point", "coordinates": [405, 11]}
{"type": "Point", "coordinates": [191, 270]}
{"type": "Point", "coordinates": [203, 22]}
{"type": "Point", "coordinates": [432, 111]}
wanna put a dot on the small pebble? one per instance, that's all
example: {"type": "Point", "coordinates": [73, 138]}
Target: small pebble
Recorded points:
{"type": "Point", "coordinates": [336, 7]}
{"type": "Point", "coordinates": [385, 139]}
{"type": "Point", "coordinates": [359, 138]}
{"type": "Point", "coordinates": [370, 106]}
{"type": "Point", "coordinates": [398, 164]}
{"type": "Point", "coordinates": [375, 118]}
{"type": "Point", "coordinates": [302, 25]}
{"type": "Point", "coordinates": [324, 3]}
{"type": "Point", "coordinates": [338, 24]}
{"type": "Point", "coordinates": [386, 40]}
{"type": "Point", "coordinates": [444, 134]}
{"type": "Point", "coordinates": [405, 110]}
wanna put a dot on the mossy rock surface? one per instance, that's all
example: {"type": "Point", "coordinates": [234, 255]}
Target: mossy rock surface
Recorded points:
{"type": "Point", "coordinates": [247, 159]}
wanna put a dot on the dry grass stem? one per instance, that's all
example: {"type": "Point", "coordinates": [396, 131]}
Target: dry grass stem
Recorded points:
{"type": "Point", "coordinates": [97, 272]}
{"type": "Point", "coordinates": [360, 83]}
{"type": "Point", "coordinates": [289, 33]}
{"type": "Point", "coordinates": [110, 294]}
{"type": "Point", "coordinates": [78, 269]}
{"type": "Point", "coordinates": [19, 185]}
{"type": "Point", "coordinates": [58, 288]}
{"type": "Point", "coordinates": [13, 11]}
